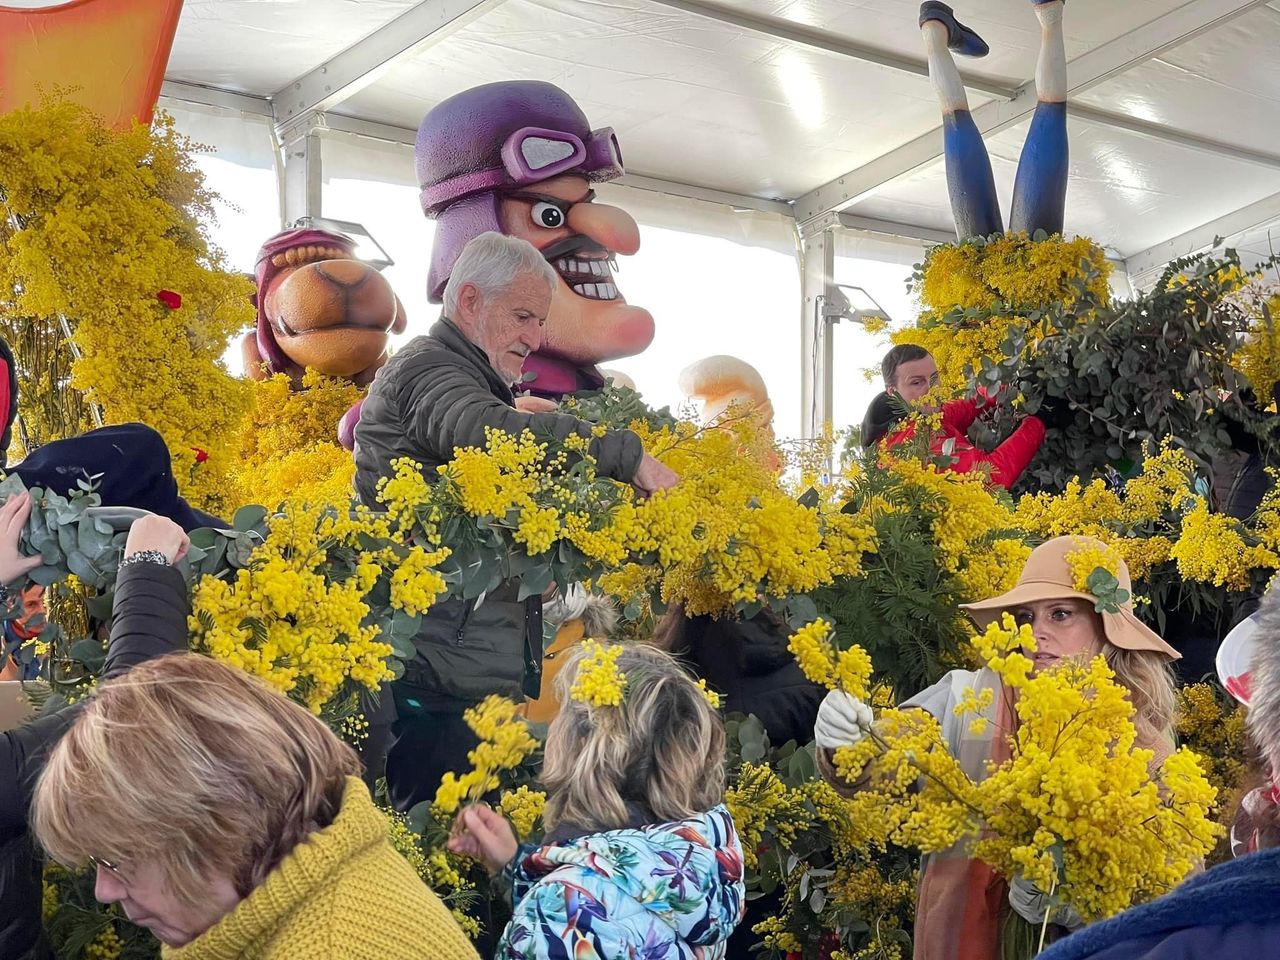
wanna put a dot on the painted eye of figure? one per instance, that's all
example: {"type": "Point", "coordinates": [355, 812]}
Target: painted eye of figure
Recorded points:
{"type": "Point", "coordinates": [548, 215]}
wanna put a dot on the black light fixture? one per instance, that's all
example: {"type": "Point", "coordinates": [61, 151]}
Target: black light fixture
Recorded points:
{"type": "Point", "coordinates": [366, 249]}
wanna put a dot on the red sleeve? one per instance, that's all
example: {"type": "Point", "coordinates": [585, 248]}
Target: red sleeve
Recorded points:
{"type": "Point", "coordinates": [1006, 461]}
{"type": "Point", "coordinates": [959, 415]}
{"type": "Point", "coordinates": [5, 399]}
{"type": "Point", "coordinates": [1014, 455]}
{"type": "Point", "coordinates": [895, 437]}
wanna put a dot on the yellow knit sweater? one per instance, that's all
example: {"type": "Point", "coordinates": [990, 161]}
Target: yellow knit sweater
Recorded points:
{"type": "Point", "coordinates": [342, 894]}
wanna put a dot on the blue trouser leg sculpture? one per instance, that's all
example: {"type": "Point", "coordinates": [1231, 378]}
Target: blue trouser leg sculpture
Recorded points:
{"type": "Point", "coordinates": [969, 178]}
{"type": "Point", "coordinates": [1040, 192]}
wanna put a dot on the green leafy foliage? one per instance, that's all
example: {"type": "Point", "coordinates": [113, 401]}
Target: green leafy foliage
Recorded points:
{"type": "Point", "coordinates": [617, 406]}
{"type": "Point", "coordinates": [1132, 371]}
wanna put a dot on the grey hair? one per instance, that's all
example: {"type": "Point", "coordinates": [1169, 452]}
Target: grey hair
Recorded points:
{"type": "Point", "coordinates": [490, 263]}
{"type": "Point", "coordinates": [1264, 681]}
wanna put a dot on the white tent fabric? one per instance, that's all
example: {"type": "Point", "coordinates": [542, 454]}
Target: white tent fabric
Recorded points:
{"type": "Point", "coordinates": [745, 111]}
{"type": "Point", "coordinates": [772, 99]}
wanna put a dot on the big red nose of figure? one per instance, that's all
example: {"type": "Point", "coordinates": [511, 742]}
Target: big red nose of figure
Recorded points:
{"type": "Point", "coordinates": [612, 228]}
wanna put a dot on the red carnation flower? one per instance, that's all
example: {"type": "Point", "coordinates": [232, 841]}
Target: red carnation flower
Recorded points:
{"type": "Point", "coordinates": [170, 299]}
{"type": "Point", "coordinates": [201, 455]}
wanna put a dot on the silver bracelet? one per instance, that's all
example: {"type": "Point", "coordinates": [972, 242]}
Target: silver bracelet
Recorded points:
{"type": "Point", "coordinates": [145, 556]}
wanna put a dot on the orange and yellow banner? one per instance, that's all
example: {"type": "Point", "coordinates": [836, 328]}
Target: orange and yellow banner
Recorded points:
{"type": "Point", "coordinates": [109, 55]}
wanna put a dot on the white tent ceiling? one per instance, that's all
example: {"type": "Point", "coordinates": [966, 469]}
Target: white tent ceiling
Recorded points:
{"type": "Point", "coordinates": [821, 104]}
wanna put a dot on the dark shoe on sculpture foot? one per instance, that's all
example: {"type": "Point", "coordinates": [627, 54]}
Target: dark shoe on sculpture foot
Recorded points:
{"type": "Point", "coordinates": [960, 38]}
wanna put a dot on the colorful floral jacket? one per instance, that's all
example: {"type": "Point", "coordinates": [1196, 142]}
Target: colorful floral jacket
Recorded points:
{"type": "Point", "coordinates": [672, 891]}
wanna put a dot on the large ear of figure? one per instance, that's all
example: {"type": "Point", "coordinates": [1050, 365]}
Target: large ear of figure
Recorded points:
{"type": "Point", "coordinates": [119, 80]}
{"type": "Point", "coordinates": [721, 382]}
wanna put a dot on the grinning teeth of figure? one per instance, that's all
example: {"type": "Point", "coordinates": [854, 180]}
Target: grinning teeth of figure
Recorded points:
{"type": "Point", "coordinates": [596, 291]}
{"type": "Point", "coordinates": [576, 273]}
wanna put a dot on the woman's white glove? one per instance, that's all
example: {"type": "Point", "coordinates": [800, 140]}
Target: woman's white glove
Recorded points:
{"type": "Point", "coordinates": [1031, 903]}
{"type": "Point", "coordinates": [842, 721]}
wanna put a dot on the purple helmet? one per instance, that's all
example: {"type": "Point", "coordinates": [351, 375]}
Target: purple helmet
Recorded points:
{"type": "Point", "coordinates": [495, 138]}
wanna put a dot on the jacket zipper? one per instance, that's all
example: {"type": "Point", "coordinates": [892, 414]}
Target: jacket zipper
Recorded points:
{"type": "Point", "coordinates": [462, 626]}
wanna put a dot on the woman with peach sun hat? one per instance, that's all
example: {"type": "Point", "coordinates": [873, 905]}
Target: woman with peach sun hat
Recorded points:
{"type": "Point", "coordinates": [963, 903]}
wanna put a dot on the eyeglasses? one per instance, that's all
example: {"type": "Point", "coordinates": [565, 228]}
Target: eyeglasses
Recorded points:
{"type": "Point", "coordinates": [108, 866]}
{"type": "Point", "coordinates": [532, 154]}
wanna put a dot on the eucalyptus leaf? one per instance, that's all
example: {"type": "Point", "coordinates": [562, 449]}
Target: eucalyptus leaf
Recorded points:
{"type": "Point", "coordinates": [89, 652]}
{"type": "Point", "coordinates": [203, 538]}
{"type": "Point", "coordinates": [535, 582]}
{"type": "Point", "coordinates": [404, 625]}
{"type": "Point", "coordinates": [47, 576]}
{"type": "Point", "coordinates": [401, 647]}
{"type": "Point", "coordinates": [249, 517]}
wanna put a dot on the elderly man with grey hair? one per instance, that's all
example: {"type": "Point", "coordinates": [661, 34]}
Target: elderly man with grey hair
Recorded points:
{"type": "Point", "coordinates": [438, 393]}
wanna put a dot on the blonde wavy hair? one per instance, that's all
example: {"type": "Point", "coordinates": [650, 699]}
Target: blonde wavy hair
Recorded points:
{"type": "Point", "coordinates": [662, 748]}
{"type": "Point", "coordinates": [1148, 677]}
{"type": "Point", "coordinates": [194, 766]}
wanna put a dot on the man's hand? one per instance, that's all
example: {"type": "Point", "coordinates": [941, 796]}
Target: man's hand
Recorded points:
{"type": "Point", "coordinates": [536, 405]}
{"type": "Point", "coordinates": [484, 835]}
{"type": "Point", "coordinates": [654, 475]}
{"type": "Point", "coordinates": [157, 533]}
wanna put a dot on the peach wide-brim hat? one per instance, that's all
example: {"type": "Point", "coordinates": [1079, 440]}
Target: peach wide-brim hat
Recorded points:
{"type": "Point", "coordinates": [1047, 576]}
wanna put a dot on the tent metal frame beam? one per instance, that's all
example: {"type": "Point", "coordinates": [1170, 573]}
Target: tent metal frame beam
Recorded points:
{"type": "Point", "coordinates": [320, 123]}
{"type": "Point", "coordinates": [1258, 214]}
{"type": "Point", "coordinates": [828, 42]}
{"type": "Point", "coordinates": [350, 71]}
{"type": "Point", "coordinates": [216, 97]}
{"type": "Point", "coordinates": [875, 227]}
{"type": "Point", "coordinates": [1167, 134]}
{"type": "Point", "coordinates": [738, 201]}
{"type": "Point", "coordinates": [1090, 69]}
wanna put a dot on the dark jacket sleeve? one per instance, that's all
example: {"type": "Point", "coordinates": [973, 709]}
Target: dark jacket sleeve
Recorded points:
{"type": "Point", "coordinates": [448, 407]}
{"type": "Point", "coordinates": [149, 619]}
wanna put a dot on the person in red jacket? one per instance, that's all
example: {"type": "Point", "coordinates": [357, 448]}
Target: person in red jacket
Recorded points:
{"type": "Point", "coordinates": [909, 374]}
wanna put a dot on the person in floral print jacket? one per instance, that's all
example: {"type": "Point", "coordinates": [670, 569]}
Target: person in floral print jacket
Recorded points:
{"type": "Point", "coordinates": [641, 860]}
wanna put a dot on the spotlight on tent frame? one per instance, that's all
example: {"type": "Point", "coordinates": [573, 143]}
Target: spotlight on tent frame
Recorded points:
{"type": "Point", "coordinates": [367, 248]}
{"type": "Point", "coordinates": [856, 305]}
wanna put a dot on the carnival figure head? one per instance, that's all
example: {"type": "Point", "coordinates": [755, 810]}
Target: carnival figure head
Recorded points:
{"type": "Point", "coordinates": [320, 307]}
{"type": "Point", "coordinates": [520, 158]}
{"type": "Point", "coordinates": [1071, 623]}
{"type": "Point", "coordinates": [186, 782]}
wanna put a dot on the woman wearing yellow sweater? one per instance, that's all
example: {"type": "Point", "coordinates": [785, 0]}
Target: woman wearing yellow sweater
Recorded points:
{"type": "Point", "coordinates": [232, 824]}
